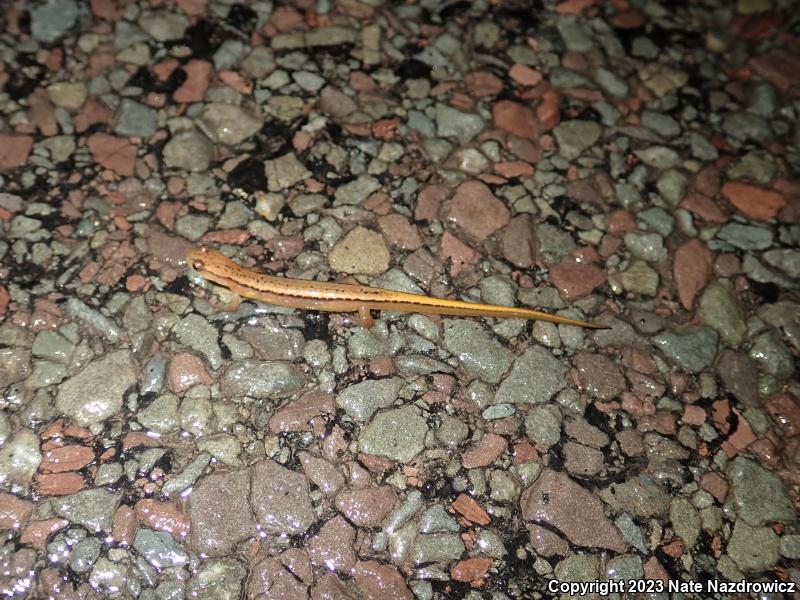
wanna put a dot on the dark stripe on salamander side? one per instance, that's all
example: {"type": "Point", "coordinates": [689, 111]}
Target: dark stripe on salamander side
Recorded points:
{"type": "Point", "coordinates": [232, 282]}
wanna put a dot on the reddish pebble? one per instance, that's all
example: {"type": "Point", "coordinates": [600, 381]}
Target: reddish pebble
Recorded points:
{"type": "Point", "coordinates": [36, 533]}
{"type": "Point", "coordinates": [134, 283]}
{"type": "Point", "coordinates": [483, 83]}
{"type": "Point", "coordinates": [4, 300]}
{"type": "Point", "coordinates": [753, 201]}
{"type": "Point", "coordinates": [476, 210]}
{"type": "Point", "coordinates": [59, 484]}
{"type": "Point", "coordinates": [366, 507]}
{"type": "Point", "coordinates": [198, 76]}
{"type": "Point", "coordinates": [111, 152]}
{"type": "Point", "coordinates": [485, 452]}
{"type": "Point", "coordinates": [694, 415]}
{"type": "Point", "coordinates": [67, 458]}
{"type": "Point", "coordinates": [692, 270]}
{"type": "Point", "coordinates": [471, 569]}
{"type": "Point", "coordinates": [704, 207]}
{"type": "Point", "coordinates": [516, 118]}
{"type": "Point", "coordinates": [14, 150]}
{"type": "Point", "coordinates": [574, 279]}
{"type": "Point", "coordinates": [14, 511]}
{"type": "Point", "coordinates": [377, 581]}
{"type": "Point", "coordinates": [621, 221]}
{"type": "Point", "coordinates": [297, 415]}
{"type": "Point", "coordinates": [163, 516]}
{"type": "Point", "coordinates": [785, 411]}
{"type": "Point", "coordinates": [125, 525]}
{"type": "Point", "coordinates": [457, 254]}
{"type": "Point", "coordinates": [716, 485]}
{"type": "Point", "coordinates": [524, 75]}
{"type": "Point", "coordinates": [514, 168]}
{"type": "Point", "coordinates": [573, 7]}
{"type": "Point", "coordinates": [185, 371]}
{"type": "Point", "coordinates": [468, 508]}
{"type": "Point", "coordinates": [549, 111]}
{"type": "Point", "coordinates": [399, 232]}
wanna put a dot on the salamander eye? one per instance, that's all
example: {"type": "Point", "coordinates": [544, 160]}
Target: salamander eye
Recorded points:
{"type": "Point", "coordinates": [204, 249]}
{"type": "Point", "coordinates": [198, 265]}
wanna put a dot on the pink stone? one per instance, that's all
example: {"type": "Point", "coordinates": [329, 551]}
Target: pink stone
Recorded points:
{"type": "Point", "coordinates": [457, 254]}
{"type": "Point", "coordinates": [399, 232]}
{"type": "Point", "coordinates": [14, 150]}
{"type": "Point", "coordinates": [185, 371]}
{"type": "Point", "coordinates": [574, 280]}
{"type": "Point", "coordinates": [485, 452]}
{"type": "Point", "coordinates": [111, 152]}
{"type": "Point", "coordinates": [198, 76]}
{"type": "Point", "coordinates": [524, 75]}
{"type": "Point", "coordinates": [692, 270]}
{"type": "Point", "coordinates": [516, 118]}
{"type": "Point", "coordinates": [476, 211]}
{"type": "Point", "coordinates": [753, 201]}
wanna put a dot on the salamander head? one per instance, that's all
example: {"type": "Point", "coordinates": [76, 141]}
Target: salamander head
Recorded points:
{"type": "Point", "coordinates": [197, 258]}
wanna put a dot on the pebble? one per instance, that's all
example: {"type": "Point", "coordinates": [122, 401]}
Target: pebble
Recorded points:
{"type": "Point", "coordinates": [280, 499]}
{"type": "Point", "coordinates": [261, 379]}
{"type": "Point", "coordinates": [198, 334]}
{"type": "Point", "coordinates": [478, 353]}
{"type": "Point", "coordinates": [692, 349]}
{"type": "Point", "coordinates": [135, 119]}
{"type": "Point", "coordinates": [759, 495]}
{"type": "Point", "coordinates": [754, 549]}
{"type": "Point", "coordinates": [361, 251]}
{"type": "Point", "coordinates": [93, 508]}
{"type": "Point", "coordinates": [574, 137]}
{"type": "Point", "coordinates": [451, 122]}
{"type": "Point", "coordinates": [719, 309]}
{"type": "Point", "coordinates": [535, 378]}
{"type": "Point", "coordinates": [746, 237]}
{"type": "Point", "coordinates": [159, 549]}
{"type": "Point", "coordinates": [189, 151]}
{"type": "Point", "coordinates": [397, 434]}
{"type": "Point", "coordinates": [229, 124]}
{"type": "Point", "coordinates": [560, 503]}
{"type": "Point", "coordinates": [51, 20]}
{"type": "Point", "coordinates": [96, 393]}
{"type": "Point", "coordinates": [543, 425]}
{"type": "Point", "coordinates": [362, 400]}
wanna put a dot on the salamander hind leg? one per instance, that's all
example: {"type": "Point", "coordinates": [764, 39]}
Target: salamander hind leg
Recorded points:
{"type": "Point", "coordinates": [365, 317]}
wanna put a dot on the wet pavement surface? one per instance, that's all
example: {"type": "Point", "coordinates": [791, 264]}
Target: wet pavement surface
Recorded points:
{"type": "Point", "coordinates": [629, 162]}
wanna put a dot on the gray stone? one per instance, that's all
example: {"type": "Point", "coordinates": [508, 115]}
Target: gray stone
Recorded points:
{"type": "Point", "coordinates": [478, 353]}
{"type": "Point", "coordinates": [96, 393]}
{"type": "Point", "coordinates": [759, 495]}
{"type": "Point", "coordinates": [693, 349]}
{"type": "Point", "coordinates": [159, 549]}
{"type": "Point", "coordinates": [93, 508]}
{"type": "Point", "coordinates": [361, 400]}
{"type": "Point", "coordinates": [188, 150]}
{"type": "Point", "coordinates": [198, 334]}
{"type": "Point", "coordinates": [543, 424]}
{"type": "Point", "coordinates": [52, 19]}
{"type": "Point", "coordinates": [451, 122]}
{"type": "Point", "coordinates": [261, 379]}
{"type": "Point", "coordinates": [135, 119]}
{"type": "Point", "coordinates": [746, 237]}
{"type": "Point", "coordinates": [718, 308]}
{"type": "Point", "coordinates": [397, 434]}
{"type": "Point", "coordinates": [646, 246]}
{"type": "Point", "coordinates": [575, 136]}
{"type": "Point", "coordinates": [754, 549]}
{"type": "Point", "coordinates": [536, 377]}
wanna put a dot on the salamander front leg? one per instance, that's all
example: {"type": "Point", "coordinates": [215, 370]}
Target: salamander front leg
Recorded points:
{"type": "Point", "coordinates": [365, 317]}
{"type": "Point", "coordinates": [231, 300]}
